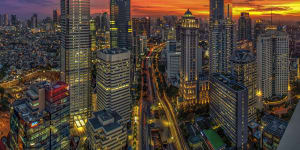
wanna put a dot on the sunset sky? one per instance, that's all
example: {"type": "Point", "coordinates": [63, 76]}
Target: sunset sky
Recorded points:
{"type": "Point", "coordinates": [290, 9]}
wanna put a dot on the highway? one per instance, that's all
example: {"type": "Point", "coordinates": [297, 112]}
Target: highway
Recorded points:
{"type": "Point", "coordinates": [180, 142]}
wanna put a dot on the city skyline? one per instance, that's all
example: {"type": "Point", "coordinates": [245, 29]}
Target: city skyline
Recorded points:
{"type": "Point", "coordinates": [257, 8]}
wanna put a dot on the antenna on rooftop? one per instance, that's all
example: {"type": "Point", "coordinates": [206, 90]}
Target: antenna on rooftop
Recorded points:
{"type": "Point", "coordinates": [271, 16]}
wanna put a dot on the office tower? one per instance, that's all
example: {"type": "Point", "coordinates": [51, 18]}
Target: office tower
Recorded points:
{"type": "Point", "coordinates": [273, 64]}
{"type": "Point", "coordinates": [93, 34]}
{"type": "Point", "coordinates": [216, 11]}
{"type": "Point", "coordinates": [75, 57]}
{"type": "Point", "coordinates": [244, 27]}
{"type": "Point", "coordinates": [13, 20]}
{"type": "Point", "coordinates": [141, 26]}
{"type": "Point", "coordinates": [190, 55]}
{"type": "Point", "coordinates": [104, 22]}
{"type": "Point", "coordinates": [113, 82]}
{"type": "Point", "coordinates": [259, 28]}
{"type": "Point", "coordinates": [41, 120]}
{"type": "Point", "coordinates": [229, 108]}
{"type": "Point", "coordinates": [5, 20]}
{"type": "Point", "coordinates": [120, 24]}
{"type": "Point", "coordinates": [173, 62]}
{"type": "Point", "coordinates": [107, 124]}
{"type": "Point", "coordinates": [34, 21]}
{"type": "Point", "coordinates": [1, 20]}
{"type": "Point", "coordinates": [221, 37]}
{"type": "Point", "coordinates": [243, 68]}
{"type": "Point", "coordinates": [55, 17]}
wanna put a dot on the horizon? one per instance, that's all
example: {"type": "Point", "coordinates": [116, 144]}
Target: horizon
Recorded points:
{"type": "Point", "coordinates": [290, 9]}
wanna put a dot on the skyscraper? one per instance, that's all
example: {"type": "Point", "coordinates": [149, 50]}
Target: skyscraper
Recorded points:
{"type": "Point", "coordinates": [34, 21]}
{"type": "Point", "coordinates": [13, 20]}
{"type": "Point", "coordinates": [1, 20]}
{"type": "Point", "coordinates": [221, 38]}
{"type": "Point", "coordinates": [113, 82]}
{"type": "Point", "coordinates": [41, 120]}
{"type": "Point", "coordinates": [229, 108]}
{"type": "Point", "coordinates": [104, 25]}
{"type": "Point", "coordinates": [120, 24]}
{"type": "Point", "coordinates": [216, 11]}
{"type": "Point", "coordinates": [243, 68]}
{"type": "Point", "coordinates": [245, 27]}
{"type": "Point", "coordinates": [273, 63]}
{"type": "Point", "coordinates": [55, 17]}
{"type": "Point", "coordinates": [5, 20]}
{"type": "Point", "coordinates": [190, 55]}
{"type": "Point", "coordinates": [75, 57]}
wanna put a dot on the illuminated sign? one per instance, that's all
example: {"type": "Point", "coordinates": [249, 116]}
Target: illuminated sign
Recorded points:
{"type": "Point", "coordinates": [34, 124]}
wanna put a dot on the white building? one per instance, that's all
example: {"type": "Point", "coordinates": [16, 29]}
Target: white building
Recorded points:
{"type": "Point", "coordinates": [113, 82]}
{"type": "Point", "coordinates": [273, 63]}
{"type": "Point", "coordinates": [173, 66]}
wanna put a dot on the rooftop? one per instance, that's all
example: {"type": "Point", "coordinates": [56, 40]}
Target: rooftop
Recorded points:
{"type": "Point", "coordinates": [25, 111]}
{"type": "Point", "coordinates": [114, 51]}
{"type": "Point", "coordinates": [106, 120]}
{"type": "Point", "coordinates": [228, 80]}
{"type": "Point", "coordinates": [274, 125]}
{"type": "Point", "coordinates": [242, 57]}
{"type": "Point", "coordinates": [215, 140]}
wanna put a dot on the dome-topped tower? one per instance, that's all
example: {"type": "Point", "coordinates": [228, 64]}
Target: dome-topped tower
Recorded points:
{"type": "Point", "coordinates": [188, 13]}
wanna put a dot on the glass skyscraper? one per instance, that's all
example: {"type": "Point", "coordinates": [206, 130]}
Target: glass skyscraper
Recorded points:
{"type": "Point", "coordinates": [75, 57]}
{"type": "Point", "coordinates": [120, 24]}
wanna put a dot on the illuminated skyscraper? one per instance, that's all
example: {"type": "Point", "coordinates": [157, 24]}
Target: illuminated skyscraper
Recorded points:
{"type": "Point", "coordinates": [229, 108]}
{"type": "Point", "coordinates": [221, 39]}
{"type": "Point", "coordinates": [190, 55]}
{"type": "Point", "coordinates": [75, 57]}
{"type": "Point", "coordinates": [216, 11]}
{"type": "Point", "coordinates": [120, 24]}
{"type": "Point", "coordinates": [245, 27]}
{"type": "Point", "coordinates": [243, 68]}
{"type": "Point", "coordinates": [273, 63]}
{"type": "Point", "coordinates": [113, 82]}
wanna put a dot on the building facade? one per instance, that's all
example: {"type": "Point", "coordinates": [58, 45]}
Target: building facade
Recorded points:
{"type": "Point", "coordinates": [243, 68]}
{"type": "Point", "coordinates": [113, 82]}
{"type": "Point", "coordinates": [190, 55]}
{"type": "Point", "coordinates": [273, 63]}
{"type": "Point", "coordinates": [75, 57]}
{"type": "Point", "coordinates": [229, 108]}
{"type": "Point", "coordinates": [245, 27]}
{"type": "Point", "coordinates": [105, 131]}
{"type": "Point", "coordinates": [41, 120]}
{"type": "Point", "coordinates": [120, 24]}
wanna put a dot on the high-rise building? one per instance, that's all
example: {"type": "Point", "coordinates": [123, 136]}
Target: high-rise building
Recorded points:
{"type": "Point", "coordinates": [141, 26]}
{"type": "Point", "coordinates": [41, 119]}
{"type": "Point", "coordinates": [243, 68]}
{"type": "Point", "coordinates": [1, 20]}
{"type": "Point", "coordinates": [13, 20]}
{"type": "Point", "coordinates": [259, 28]}
{"type": "Point", "coordinates": [113, 82]}
{"type": "Point", "coordinates": [221, 38]}
{"type": "Point", "coordinates": [173, 65]}
{"type": "Point", "coordinates": [190, 55]}
{"type": "Point", "coordinates": [75, 57]}
{"type": "Point", "coordinates": [34, 21]}
{"type": "Point", "coordinates": [229, 108]}
{"type": "Point", "coordinates": [105, 131]}
{"type": "Point", "coordinates": [104, 26]}
{"type": "Point", "coordinates": [245, 27]}
{"type": "Point", "coordinates": [55, 17]}
{"type": "Point", "coordinates": [216, 11]}
{"type": "Point", "coordinates": [120, 24]}
{"type": "Point", "coordinates": [273, 63]}
{"type": "Point", "coordinates": [5, 20]}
